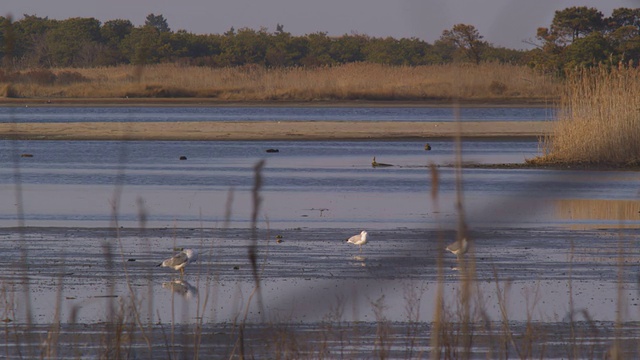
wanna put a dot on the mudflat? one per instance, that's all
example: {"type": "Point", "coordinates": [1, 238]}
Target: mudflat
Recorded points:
{"type": "Point", "coordinates": [279, 130]}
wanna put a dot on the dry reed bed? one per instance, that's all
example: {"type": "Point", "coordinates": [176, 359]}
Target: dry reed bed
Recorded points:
{"type": "Point", "coordinates": [598, 119]}
{"type": "Point", "coordinates": [346, 82]}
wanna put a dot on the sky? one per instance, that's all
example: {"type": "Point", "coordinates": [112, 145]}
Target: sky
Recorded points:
{"type": "Point", "coordinates": [508, 23]}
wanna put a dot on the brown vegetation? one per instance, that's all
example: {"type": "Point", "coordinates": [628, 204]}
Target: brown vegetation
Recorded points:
{"type": "Point", "coordinates": [359, 81]}
{"type": "Point", "coordinates": [598, 119]}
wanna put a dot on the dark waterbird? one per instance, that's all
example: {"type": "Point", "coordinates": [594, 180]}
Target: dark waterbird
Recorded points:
{"type": "Point", "coordinates": [374, 163]}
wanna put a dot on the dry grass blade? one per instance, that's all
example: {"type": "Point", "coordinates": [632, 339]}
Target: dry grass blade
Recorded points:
{"type": "Point", "coordinates": [466, 263]}
{"type": "Point", "coordinates": [438, 311]}
{"type": "Point", "coordinates": [253, 254]}
{"type": "Point", "coordinates": [257, 201]}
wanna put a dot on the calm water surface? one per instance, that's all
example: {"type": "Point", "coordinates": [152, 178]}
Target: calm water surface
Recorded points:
{"type": "Point", "coordinates": [161, 114]}
{"type": "Point", "coordinates": [308, 184]}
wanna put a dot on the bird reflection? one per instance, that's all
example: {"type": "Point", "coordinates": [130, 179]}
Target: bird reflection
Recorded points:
{"type": "Point", "coordinates": [182, 288]}
{"type": "Point", "coordinates": [359, 260]}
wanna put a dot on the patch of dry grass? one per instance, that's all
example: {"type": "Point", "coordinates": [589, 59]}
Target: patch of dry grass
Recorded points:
{"type": "Point", "coordinates": [598, 119]}
{"type": "Point", "coordinates": [360, 81]}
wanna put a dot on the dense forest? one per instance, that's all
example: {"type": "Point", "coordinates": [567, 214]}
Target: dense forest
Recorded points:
{"type": "Point", "coordinates": [577, 36]}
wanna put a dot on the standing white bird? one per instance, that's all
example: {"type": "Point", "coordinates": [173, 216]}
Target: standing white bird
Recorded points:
{"type": "Point", "coordinates": [180, 260]}
{"type": "Point", "coordinates": [359, 239]}
{"type": "Point", "coordinates": [459, 247]}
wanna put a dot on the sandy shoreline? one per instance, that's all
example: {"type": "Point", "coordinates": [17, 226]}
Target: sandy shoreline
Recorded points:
{"type": "Point", "coordinates": [282, 130]}
{"type": "Point", "coordinates": [213, 102]}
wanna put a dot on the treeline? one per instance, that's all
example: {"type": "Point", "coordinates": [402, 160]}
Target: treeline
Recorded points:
{"type": "Point", "coordinates": [577, 36]}
{"type": "Point", "coordinates": [583, 37]}
{"type": "Point", "coordinates": [86, 42]}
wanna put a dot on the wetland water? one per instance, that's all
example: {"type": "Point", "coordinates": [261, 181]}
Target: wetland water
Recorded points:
{"type": "Point", "coordinates": [159, 114]}
{"type": "Point", "coordinates": [537, 233]}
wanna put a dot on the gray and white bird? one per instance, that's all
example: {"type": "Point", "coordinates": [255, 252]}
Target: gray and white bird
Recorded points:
{"type": "Point", "coordinates": [459, 247]}
{"type": "Point", "coordinates": [359, 239]}
{"type": "Point", "coordinates": [180, 260]}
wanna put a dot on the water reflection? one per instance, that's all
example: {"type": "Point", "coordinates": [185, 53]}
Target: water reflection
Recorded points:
{"type": "Point", "coordinates": [612, 212]}
{"type": "Point", "coordinates": [182, 288]}
{"type": "Point", "coordinates": [184, 113]}
{"type": "Point", "coordinates": [359, 260]}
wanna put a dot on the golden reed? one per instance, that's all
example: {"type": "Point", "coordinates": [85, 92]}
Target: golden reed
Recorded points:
{"type": "Point", "coordinates": [359, 81]}
{"type": "Point", "coordinates": [598, 119]}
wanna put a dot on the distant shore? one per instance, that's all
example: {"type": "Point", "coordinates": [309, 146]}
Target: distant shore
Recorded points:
{"type": "Point", "coordinates": [283, 130]}
{"type": "Point", "coordinates": [493, 102]}
{"type": "Point", "coordinates": [273, 130]}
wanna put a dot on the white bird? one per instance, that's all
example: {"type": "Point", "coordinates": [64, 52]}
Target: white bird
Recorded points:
{"type": "Point", "coordinates": [180, 260]}
{"type": "Point", "coordinates": [359, 239]}
{"type": "Point", "coordinates": [459, 247]}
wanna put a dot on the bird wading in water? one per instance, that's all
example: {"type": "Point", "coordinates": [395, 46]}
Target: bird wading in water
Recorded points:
{"type": "Point", "coordinates": [180, 260]}
{"type": "Point", "coordinates": [359, 239]}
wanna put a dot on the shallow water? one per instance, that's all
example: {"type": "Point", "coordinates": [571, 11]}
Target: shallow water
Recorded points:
{"type": "Point", "coordinates": [562, 283]}
{"type": "Point", "coordinates": [305, 184]}
{"type": "Point", "coordinates": [77, 180]}
{"type": "Point", "coordinates": [161, 114]}
{"type": "Point", "coordinates": [313, 270]}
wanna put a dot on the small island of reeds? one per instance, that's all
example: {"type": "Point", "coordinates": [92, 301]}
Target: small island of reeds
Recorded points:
{"type": "Point", "coordinates": [598, 124]}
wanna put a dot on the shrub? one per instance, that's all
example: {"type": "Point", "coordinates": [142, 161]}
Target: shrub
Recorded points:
{"type": "Point", "coordinates": [8, 91]}
{"type": "Point", "coordinates": [6, 77]}
{"type": "Point", "coordinates": [39, 77]}
{"type": "Point", "coordinates": [70, 77]}
{"type": "Point", "coordinates": [497, 87]}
